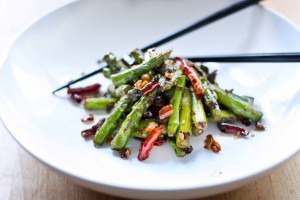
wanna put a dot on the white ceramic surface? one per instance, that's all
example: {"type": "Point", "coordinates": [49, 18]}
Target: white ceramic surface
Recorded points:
{"type": "Point", "coordinates": [69, 41]}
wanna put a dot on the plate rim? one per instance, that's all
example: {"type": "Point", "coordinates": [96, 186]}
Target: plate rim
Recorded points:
{"type": "Point", "coordinates": [5, 121]}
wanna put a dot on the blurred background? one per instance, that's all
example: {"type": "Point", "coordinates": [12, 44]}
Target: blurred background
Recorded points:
{"type": "Point", "coordinates": [15, 15]}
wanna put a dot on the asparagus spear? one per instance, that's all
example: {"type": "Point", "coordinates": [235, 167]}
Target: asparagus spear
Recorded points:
{"type": "Point", "coordinates": [132, 121]}
{"type": "Point", "coordinates": [137, 55]}
{"type": "Point", "coordinates": [122, 90]}
{"type": "Point", "coordinates": [114, 64]}
{"type": "Point", "coordinates": [95, 103]}
{"type": "Point", "coordinates": [218, 115]}
{"type": "Point", "coordinates": [227, 116]}
{"type": "Point", "coordinates": [176, 102]}
{"type": "Point", "coordinates": [210, 100]}
{"type": "Point", "coordinates": [107, 72]}
{"type": "Point", "coordinates": [198, 113]}
{"type": "Point", "coordinates": [111, 90]}
{"type": "Point", "coordinates": [111, 121]}
{"type": "Point", "coordinates": [184, 131]}
{"type": "Point", "coordinates": [236, 105]}
{"type": "Point", "coordinates": [245, 98]}
{"type": "Point", "coordinates": [179, 151]}
{"type": "Point", "coordinates": [138, 70]}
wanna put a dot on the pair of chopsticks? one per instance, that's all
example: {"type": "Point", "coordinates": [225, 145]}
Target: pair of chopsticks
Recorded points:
{"type": "Point", "coordinates": [267, 57]}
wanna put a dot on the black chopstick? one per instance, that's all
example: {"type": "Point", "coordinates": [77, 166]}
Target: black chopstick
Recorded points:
{"type": "Point", "coordinates": [255, 57]}
{"type": "Point", "coordinates": [205, 21]}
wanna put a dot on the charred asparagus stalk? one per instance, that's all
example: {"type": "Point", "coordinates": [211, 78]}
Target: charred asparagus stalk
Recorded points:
{"type": "Point", "coordinates": [210, 100]}
{"type": "Point", "coordinates": [198, 113]}
{"type": "Point", "coordinates": [113, 63]}
{"type": "Point", "coordinates": [184, 131]}
{"type": "Point", "coordinates": [179, 151]}
{"type": "Point", "coordinates": [132, 121]}
{"type": "Point", "coordinates": [111, 121]}
{"type": "Point", "coordinates": [236, 105]}
{"type": "Point", "coordinates": [176, 102]}
{"type": "Point", "coordinates": [138, 70]}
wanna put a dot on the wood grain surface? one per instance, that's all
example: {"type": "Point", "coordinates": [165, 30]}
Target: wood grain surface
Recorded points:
{"type": "Point", "coordinates": [22, 177]}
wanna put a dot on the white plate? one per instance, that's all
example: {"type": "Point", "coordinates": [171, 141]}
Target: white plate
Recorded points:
{"type": "Point", "coordinates": [69, 41]}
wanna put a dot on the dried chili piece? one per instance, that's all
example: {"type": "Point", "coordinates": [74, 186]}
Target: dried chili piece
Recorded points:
{"type": "Point", "coordinates": [150, 87]}
{"type": "Point", "coordinates": [165, 112]}
{"type": "Point", "coordinates": [232, 129]}
{"type": "Point", "coordinates": [92, 131]}
{"type": "Point", "coordinates": [193, 76]}
{"type": "Point", "coordinates": [149, 142]}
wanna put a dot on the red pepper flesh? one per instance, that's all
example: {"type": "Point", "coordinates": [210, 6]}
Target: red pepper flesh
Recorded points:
{"type": "Point", "coordinates": [233, 129]}
{"type": "Point", "coordinates": [149, 142]}
{"type": "Point", "coordinates": [165, 112]}
{"type": "Point", "coordinates": [193, 76]}
{"type": "Point", "coordinates": [150, 87]}
{"type": "Point", "coordinates": [82, 90]}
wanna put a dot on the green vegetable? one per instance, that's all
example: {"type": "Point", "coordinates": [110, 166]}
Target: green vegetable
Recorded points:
{"type": "Point", "coordinates": [122, 90]}
{"type": "Point", "coordinates": [96, 103]}
{"type": "Point", "coordinates": [179, 152]}
{"type": "Point", "coordinates": [173, 123]}
{"type": "Point", "coordinates": [236, 105]}
{"type": "Point", "coordinates": [184, 131]}
{"type": "Point", "coordinates": [132, 121]}
{"type": "Point", "coordinates": [111, 121]}
{"type": "Point", "coordinates": [198, 114]}
{"type": "Point", "coordinates": [129, 74]}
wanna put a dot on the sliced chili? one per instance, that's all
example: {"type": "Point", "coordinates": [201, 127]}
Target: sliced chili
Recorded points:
{"type": "Point", "coordinates": [193, 76]}
{"type": "Point", "coordinates": [150, 87]}
{"type": "Point", "coordinates": [92, 131]}
{"type": "Point", "coordinates": [149, 142]}
{"type": "Point", "coordinates": [165, 112]}
{"type": "Point", "coordinates": [82, 90]}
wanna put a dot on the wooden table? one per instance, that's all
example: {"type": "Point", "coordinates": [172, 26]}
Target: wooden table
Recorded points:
{"type": "Point", "coordinates": [22, 177]}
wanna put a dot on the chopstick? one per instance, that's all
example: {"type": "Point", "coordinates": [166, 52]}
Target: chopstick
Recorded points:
{"type": "Point", "coordinates": [255, 57]}
{"type": "Point", "coordinates": [202, 22]}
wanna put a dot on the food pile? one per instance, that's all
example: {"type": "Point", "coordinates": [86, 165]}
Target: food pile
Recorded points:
{"type": "Point", "coordinates": [157, 99]}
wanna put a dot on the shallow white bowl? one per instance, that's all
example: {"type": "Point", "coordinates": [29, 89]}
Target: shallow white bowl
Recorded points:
{"type": "Point", "coordinates": [69, 41]}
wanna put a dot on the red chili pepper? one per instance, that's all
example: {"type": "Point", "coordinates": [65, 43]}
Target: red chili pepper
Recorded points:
{"type": "Point", "coordinates": [165, 111]}
{"type": "Point", "coordinates": [193, 76]}
{"type": "Point", "coordinates": [92, 131]}
{"type": "Point", "coordinates": [91, 88]}
{"type": "Point", "coordinates": [150, 87]}
{"type": "Point", "coordinates": [233, 129]}
{"type": "Point", "coordinates": [149, 142]}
